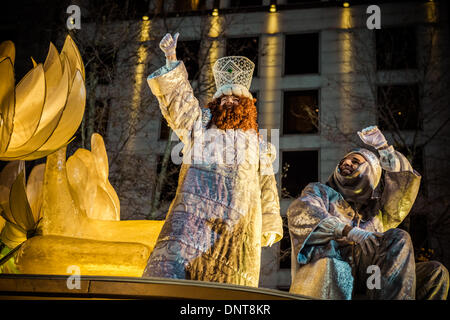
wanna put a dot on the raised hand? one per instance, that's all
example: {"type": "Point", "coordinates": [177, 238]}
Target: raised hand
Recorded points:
{"type": "Point", "coordinates": [168, 45]}
{"type": "Point", "coordinates": [372, 136]}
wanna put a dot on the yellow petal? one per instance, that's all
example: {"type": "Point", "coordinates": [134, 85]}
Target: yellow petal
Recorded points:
{"type": "Point", "coordinates": [4, 203]}
{"type": "Point", "coordinates": [2, 222]}
{"type": "Point", "coordinates": [70, 120]}
{"type": "Point", "coordinates": [34, 190]}
{"type": "Point", "coordinates": [51, 114]}
{"type": "Point", "coordinates": [89, 185]}
{"type": "Point", "coordinates": [100, 156]}
{"type": "Point", "coordinates": [34, 62]}
{"type": "Point", "coordinates": [7, 177]}
{"type": "Point", "coordinates": [6, 103]}
{"type": "Point", "coordinates": [78, 178]}
{"type": "Point", "coordinates": [61, 216]}
{"type": "Point", "coordinates": [10, 172]}
{"type": "Point", "coordinates": [7, 49]}
{"type": "Point", "coordinates": [53, 69]}
{"type": "Point", "coordinates": [71, 51]}
{"type": "Point", "coordinates": [112, 193]}
{"type": "Point", "coordinates": [103, 206]}
{"type": "Point", "coordinates": [18, 203]}
{"type": "Point", "coordinates": [30, 99]}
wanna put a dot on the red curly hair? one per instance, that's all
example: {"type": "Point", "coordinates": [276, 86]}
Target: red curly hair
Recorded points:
{"type": "Point", "coordinates": [243, 116]}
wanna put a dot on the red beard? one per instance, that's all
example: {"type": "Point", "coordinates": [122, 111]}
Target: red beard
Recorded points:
{"type": "Point", "coordinates": [241, 116]}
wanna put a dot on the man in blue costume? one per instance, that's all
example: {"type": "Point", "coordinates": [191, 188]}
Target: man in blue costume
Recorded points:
{"type": "Point", "coordinates": [344, 236]}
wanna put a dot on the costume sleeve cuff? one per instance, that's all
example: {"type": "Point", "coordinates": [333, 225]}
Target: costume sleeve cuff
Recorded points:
{"type": "Point", "coordinates": [389, 160]}
{"type": "Point", "coordinates": [165, 80]}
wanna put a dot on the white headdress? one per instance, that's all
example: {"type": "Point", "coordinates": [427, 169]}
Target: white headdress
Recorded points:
{"type": "Point", "coordinates": [233, 76]}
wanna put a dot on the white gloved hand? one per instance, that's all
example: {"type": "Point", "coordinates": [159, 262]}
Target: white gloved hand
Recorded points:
{"type": "Point", "coordinates": [168, 44]}
{"type": "Point", "coordinates": [366, 239]}
{"type": "Point", "coordinates": [269, 238]}
{"type": "Point", "coordinates": [372, 136]}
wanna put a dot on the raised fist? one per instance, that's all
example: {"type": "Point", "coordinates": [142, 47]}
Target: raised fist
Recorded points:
{"type": "Point", "coordinates": [372, 136]}
{"type": "Point", "coordinates": [168, 44]}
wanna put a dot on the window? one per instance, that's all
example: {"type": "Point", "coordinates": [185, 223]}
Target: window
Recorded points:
{"type": "Point", "coordinates": [121, 9]}
{"type": "Point", "coordinates": [188, 52]}
{"type": "Point", "coordinates": [245, 3]}
{"type": "Point", "coordinates": [169, 186]}
{"type": "Point", "coordinates": [396, 48]}
{"type": "Point", "coordinates": [102, 116]}
{"type": "Point", "coordinates": [300, 112]}
{"type": "Point", "coordinates": [398, 107]}
{"type": "Point", "coordinates": [301, 53]}
{"type": "Point", "coordinates": [247, 47]}
{"type": "Point", "coordinates": [299, 168]}
{"type": "Point", "coordinates": [101, 62]}
{"type": "Point", "coordinates": [164, 129]}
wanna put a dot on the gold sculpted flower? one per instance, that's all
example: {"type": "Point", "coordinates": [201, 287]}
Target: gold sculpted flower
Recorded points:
{"type": "Point", "coordinates": [43, 111]}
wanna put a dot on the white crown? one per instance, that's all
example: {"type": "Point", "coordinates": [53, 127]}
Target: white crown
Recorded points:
{"type": "Point", "coordinates": [233, 75]}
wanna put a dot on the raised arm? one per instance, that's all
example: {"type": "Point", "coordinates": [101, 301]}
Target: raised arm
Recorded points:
{"type": "Point", "coordinates": [401, 181]}
{"type": "Point", "coordinates": [171, 87]}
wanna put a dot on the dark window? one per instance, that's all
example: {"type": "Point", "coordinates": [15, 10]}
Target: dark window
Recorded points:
{"type": "Point", "coordinates": [245, 3]}
{"type": "Point", "coordinates": [396, 48]}
{"type": "Point", "coordinates": [101, 61]}
{"type": "Point", "coordinates": [164, 129]}
{"type": "Point", "coordinates": [188, 52]}
{"type": "Point", "coordinates": [120, 9]}
{"type": "Point", "coordinates": [285, 246]}
{"type": "Point", "coordinates": [299, 168]}
{"type": "Point", "coordinates": [102, 116]}
{"type": "Point", "coordinates": [247, 47]}
{"type": "Point", "coordinates": [302, 53]}
{"type": "Point", "coordinates": [399, 107]}
{"type": "Point", "coordinates": [300, 111]}
{"type": "Point", "coordinates": [169, 186]}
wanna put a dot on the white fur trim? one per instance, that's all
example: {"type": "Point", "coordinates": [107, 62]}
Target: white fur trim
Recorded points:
{"type": "Point", "coordinates": [233, 89]}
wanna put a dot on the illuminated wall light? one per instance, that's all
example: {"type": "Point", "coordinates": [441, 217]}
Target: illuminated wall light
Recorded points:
{"type": "Point", "coordinates": [215, 12]}
{"type": "Point", "coordinates": [139, 74]}
{"type": "Point", "coordinates": [273, 8]}
{"type": "Point", "coordinates": [346, 4]}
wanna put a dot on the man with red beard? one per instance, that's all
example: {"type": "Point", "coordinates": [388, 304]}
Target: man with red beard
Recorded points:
{"type": "Point", "coordinates": [226, 206]}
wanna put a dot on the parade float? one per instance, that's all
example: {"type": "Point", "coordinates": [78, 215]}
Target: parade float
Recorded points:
{"type": "Point", "coordinates": [61, 233]}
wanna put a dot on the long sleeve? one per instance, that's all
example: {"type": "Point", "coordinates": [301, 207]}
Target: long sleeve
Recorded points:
{"type": "Point", "coordinates": [401, 185]}
{"type": "Point", "coordinates": [176, 99]}
{"type": "Point", "coordinates": [270, 203]}
{"type": "Point", "coordinates": [393, 161]}
{"type": "Point", "coordinates": [312, 221]}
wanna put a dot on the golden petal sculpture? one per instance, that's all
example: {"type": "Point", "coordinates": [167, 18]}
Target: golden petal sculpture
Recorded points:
{"type": "Point", "coordinates": [44, 110]}
{"type": "Point", "coordinates": [20, 207]}
{"type": "Point", "coordinates": [69, 237]}
{"type": "Point", "coordinates": [87, 173]}
{"type": "Point", "coordinates": [21, 203]}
